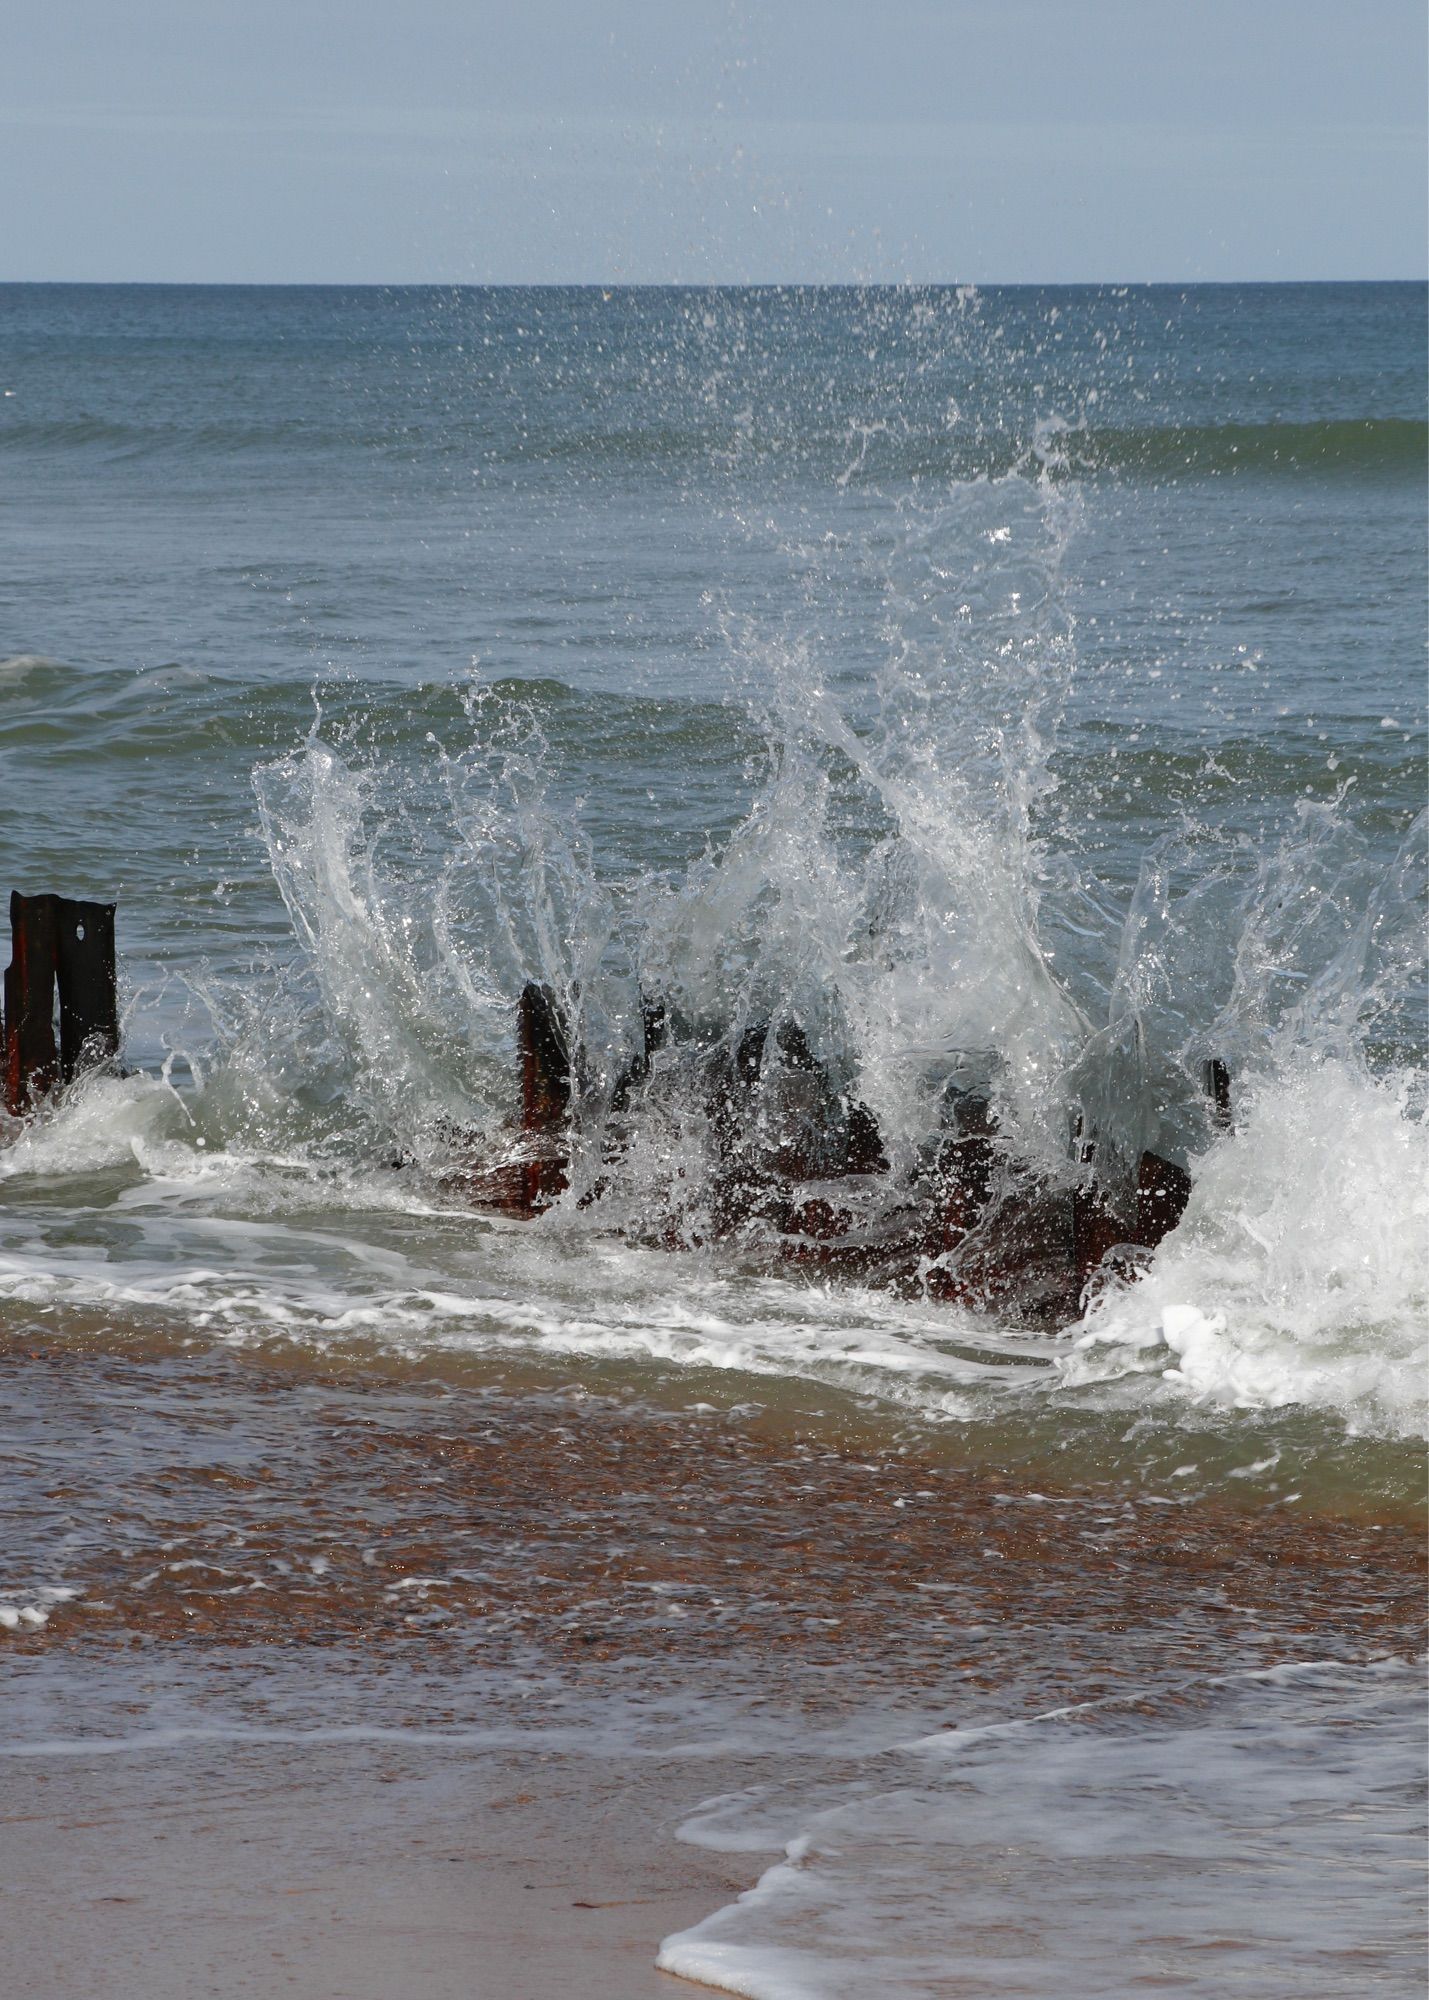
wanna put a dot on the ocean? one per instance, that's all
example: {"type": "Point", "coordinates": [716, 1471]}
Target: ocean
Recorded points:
{"type": "Point", "coordinates": [1021, 690]}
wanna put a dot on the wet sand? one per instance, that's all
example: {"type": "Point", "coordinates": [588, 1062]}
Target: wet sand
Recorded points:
{"type": "Point", "coordinates": [338, 1875]}
{"type": "Point", "coordinates": [253, 1547]}
{"type": "Point", "coordinates": [224, 1500]}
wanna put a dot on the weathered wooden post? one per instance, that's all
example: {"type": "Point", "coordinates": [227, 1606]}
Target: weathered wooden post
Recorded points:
{"type": "Point", "coordinates": [975, 1225]}
{"type": "Point", "coordinates": [544, 1043]}
{"type": "Point", "coordinates": [57, 947]}
{"type": "Point", "coordinates": [31, 1049]}
{"type": "Point", "coordinates": [1162, 1191]}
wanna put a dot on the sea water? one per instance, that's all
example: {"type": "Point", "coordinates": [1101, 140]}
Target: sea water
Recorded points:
{"type": "Point", "coordinates": [1019, 688]}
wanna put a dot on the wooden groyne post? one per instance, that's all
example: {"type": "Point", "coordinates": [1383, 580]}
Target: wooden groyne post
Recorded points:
{"type": "Point", "coordinates": [61, 1012]}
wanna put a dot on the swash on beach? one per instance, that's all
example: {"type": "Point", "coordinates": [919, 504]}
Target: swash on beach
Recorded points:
{"type": "Point", "coordinates": [1019, 689]}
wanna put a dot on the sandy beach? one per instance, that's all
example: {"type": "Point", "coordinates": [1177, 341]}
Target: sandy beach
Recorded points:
{"type": "Point", "coordinates": [373, 1686]}
{"type": "Point", "coordinates": [337, 1873]}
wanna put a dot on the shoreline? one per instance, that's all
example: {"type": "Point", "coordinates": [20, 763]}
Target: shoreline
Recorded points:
{"type": "Point", "coordinates": [443, 1670]}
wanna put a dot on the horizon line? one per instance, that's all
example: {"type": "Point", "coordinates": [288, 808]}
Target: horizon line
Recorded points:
{"type": "Point", "coordinates": [613, 285]}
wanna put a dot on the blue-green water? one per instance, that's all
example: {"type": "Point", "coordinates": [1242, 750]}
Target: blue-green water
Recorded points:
{"type": "Point", "coordinates": [1030, 679]}
{"type": "Point", "coordinates": [1023, 686]}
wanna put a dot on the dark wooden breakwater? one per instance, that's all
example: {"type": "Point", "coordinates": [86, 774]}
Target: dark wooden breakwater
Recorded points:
{"type": "Point", "coordinates": [975, 1224]}
{"type": "Point", "coordinates": [794, 1164]}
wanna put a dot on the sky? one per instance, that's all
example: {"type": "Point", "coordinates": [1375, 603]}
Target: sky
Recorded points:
{"type": "Point", "coordinates": [713, 141]}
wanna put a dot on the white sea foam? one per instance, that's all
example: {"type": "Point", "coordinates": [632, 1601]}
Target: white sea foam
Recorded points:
{"type": "Point", "coordinates": [33, 1608]}
{"type": "Point", "coordinates": [1296, 1280]}
{"type": "Point", "coordinates": [104, 1122]}
{"type": "Point", "coordinates": [1246, 1816]}
{"type": "Point", "coordinates": [1300, 1273]}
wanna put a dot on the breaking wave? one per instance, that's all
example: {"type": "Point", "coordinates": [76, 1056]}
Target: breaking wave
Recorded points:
{"type": "Point", "coordinates": [908, 851]}
{"type": "Point", "coordinates": [907, 884]}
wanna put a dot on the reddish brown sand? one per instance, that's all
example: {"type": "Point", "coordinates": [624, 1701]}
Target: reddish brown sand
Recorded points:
{"type": "Point", "coordinates": [464, 1522]}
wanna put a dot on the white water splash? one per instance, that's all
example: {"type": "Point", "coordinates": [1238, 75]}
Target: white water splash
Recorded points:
{"type": "Point", "coordinates": [898, 875]}
{"type": "Point", "coordinates": [1300, 1273]}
